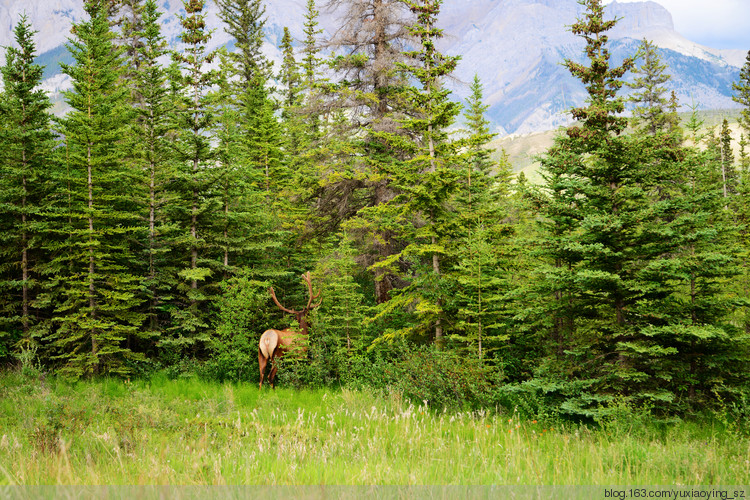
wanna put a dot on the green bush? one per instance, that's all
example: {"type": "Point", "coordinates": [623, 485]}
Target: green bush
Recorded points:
{"type": "Point", "coordinates": [243, 316]}
{"type": "Point", "coordinates": [443, 380]}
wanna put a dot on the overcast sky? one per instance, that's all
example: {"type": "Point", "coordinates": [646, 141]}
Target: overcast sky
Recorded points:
{"type": "Point", "coordinates": [722, 24]}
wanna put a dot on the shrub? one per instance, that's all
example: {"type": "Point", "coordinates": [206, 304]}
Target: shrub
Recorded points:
{"type": "Point", "coordinates": [242, 318]}
{"type": "Point", "coordinates": [444, 380]}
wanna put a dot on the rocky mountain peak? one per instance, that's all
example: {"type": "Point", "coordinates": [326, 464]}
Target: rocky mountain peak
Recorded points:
{"type": "Point", "coordinates": [515, 46]}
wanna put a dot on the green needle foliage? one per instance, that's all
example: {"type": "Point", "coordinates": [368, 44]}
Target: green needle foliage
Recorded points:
{"type": "Point", "coordinates": [151, 146]}
{"type": "Point", "coordinates": [26, 163]}
{"type": "Point", "coordinates": [90, 277]}
{"type": "Point", "coordinates": [651, 112]}
{"type": "Point", "coordinates": [427, 178]}
{"type": "Point", "coordinates": [195, 200]}
{"type": "Point", "coordinates": [742, 95]}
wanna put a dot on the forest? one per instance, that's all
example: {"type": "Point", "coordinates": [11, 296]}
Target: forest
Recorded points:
{"type": "Point", "coordinates": [141, 231]}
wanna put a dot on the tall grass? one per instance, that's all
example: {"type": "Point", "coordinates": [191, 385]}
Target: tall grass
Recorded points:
{"type": "Point", "coordinates": [191, 432]}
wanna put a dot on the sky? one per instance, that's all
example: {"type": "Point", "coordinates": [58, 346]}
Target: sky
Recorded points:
{"type": "Point", "coordinates": [721, 24]}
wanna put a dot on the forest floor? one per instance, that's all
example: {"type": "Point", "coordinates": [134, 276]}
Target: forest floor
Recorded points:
{"type": "Point", "coordinates": [191, 432]}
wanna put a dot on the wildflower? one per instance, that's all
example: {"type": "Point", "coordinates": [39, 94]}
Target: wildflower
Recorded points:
{"type": "Point", "coordinates": [533, 421]}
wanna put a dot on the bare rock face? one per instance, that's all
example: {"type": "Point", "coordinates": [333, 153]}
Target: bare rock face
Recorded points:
{"type": "Point", "coordinates": [515, 46]}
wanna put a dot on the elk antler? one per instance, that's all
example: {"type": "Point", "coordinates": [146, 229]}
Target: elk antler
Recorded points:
{"type": "Point", "coordinates": [273, 296]}
{"type": "Point", "coordinates": [307, 278]}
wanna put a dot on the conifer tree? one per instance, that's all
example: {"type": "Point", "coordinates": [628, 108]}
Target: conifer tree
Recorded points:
{"type": "Point", "coordinates": [428, 177]}
{"type": "Point", "coordinates": [651, 111]}
{"type": "Point", "coordinates": [597, 201]}
{"type": "Point", "coordinates": [245, 22]}
{"type": "Point", "coordinates": [311, 60]}
{"type": "Point", "coordinates": [291, 88]}
{"type": "Point", "coordinates": [250, 138]}
{"type": "Point", "coordinates": [742, 94]}
{"type": "Point", "coordinates": [127, 17]}
{"type": "Point", "coordinates": [310, 73]}
{"type": "Point", "coordinates": [481, 254]}
{"type": "Point", "coordinates": [248, 155]}
{"type": "Point", "coordinates": [196, 202]}
{"type": "Point", "coordinates": [370, 92]}
{"type": "Point", "coordinates": [339, 334]}
{"type": "Point", "coordinates": [94, 288]}
{"type": "Point", "coordinates": [25, 165]}
{"type": "Point", "coordinates": [151, 147]}
{"type": "Point", "coordinates": [728, 173]}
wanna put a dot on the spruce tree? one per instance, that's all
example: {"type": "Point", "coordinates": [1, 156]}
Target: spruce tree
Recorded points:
{"type": "Point", "coordinates": [369, 91]}
{"type": "Point", "coordinates": [428, 178]}
{"type": "Point", "coordinates": [25, 164]}
{"type": "Point", "coordinates": [152, 151]}
{"type": "Point", "coordinates": [482, 258]}
{"type": "Point", "coordinates": [597, 203]}
{"type": "Point", "coordinates": [291, 87]}
{"type": "Point", "coordinates": [95, 291]}
{"type": "Point", "coordinates": [649, 93]}
{"type": "Point", "coordinates": [250, 141]}
{"type": "Point", "coordinates": [742, 94]}
{"type": "Point", "coordinates": [196, 200]}
{"type": "Point", "coordinates": [244, 22]}
{"type": "Point", "coordinates": [728, 173]}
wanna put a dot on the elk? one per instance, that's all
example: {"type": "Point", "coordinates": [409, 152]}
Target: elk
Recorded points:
{"type": "Point", "coordinates": [275, 343]}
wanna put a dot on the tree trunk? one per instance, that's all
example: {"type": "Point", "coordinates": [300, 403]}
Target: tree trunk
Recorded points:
{"type": "Point", "coordinates": [92, 261]}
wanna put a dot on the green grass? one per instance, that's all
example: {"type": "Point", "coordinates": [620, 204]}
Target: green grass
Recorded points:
{"type": "Point", "coordinates": [191, 432]}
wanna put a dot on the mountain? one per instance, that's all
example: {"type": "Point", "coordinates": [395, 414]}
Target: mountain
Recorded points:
{"type": "Point", "coordinates": [515, 46]}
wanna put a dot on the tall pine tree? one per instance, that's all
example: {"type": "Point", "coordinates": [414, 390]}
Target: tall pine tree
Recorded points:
{"type": "Point", "coordinates": [194, 182]}
{"type": "Point", "coordinates": [95, 290]}
{"type": "Point", "coordinates": [25, 166]}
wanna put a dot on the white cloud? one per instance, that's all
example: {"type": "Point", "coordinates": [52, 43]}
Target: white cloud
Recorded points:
{"type": "Point", "coordinates": [716, 23]}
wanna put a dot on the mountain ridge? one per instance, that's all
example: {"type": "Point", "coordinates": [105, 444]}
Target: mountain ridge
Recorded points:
{"type": "Point", "coordinates": [515, 46]}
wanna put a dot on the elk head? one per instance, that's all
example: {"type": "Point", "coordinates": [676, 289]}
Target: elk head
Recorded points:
{"type": "Point", "coordinates": [275, 343]}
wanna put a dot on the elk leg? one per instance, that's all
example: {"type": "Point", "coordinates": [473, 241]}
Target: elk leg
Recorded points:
{"type": "Point", "coordinates": [262, 362]}
{"type": "Point", "coordinates": [272, 376]}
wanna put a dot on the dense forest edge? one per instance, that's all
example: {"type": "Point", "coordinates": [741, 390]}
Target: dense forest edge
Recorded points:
{"type": "Point", "coordinates": [142, 232]}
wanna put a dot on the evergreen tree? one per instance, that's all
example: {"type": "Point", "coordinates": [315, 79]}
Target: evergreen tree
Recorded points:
{"type": "Point", "coordinates": [244, 22]}
{"type": "Point", "coordinates": [311, 61]}
{"type": "Point", "coordinates": [25, 164]}
{"type": "Point", "coordinates": [428, 178]}
{"type": "Point", "coordinates": [370, 92]}
{"type": "Point", "coordinates": [152, 151]}
{"type": "Point", "coordinates": [481, 202]}
{"type": "Point", "coordinates": [728, 173]}
{"type": "Point", "coordinates": [249, 156]}
{"type": "Point", "coordinates": [742, 95]}
{"type": "Point", "coordinates": [127, 17]}
{"type": "Point", "coordinates": [311, 76]}
{"type": "Point", "coordinates": [339, 337]}
{"type": "Point", "coordinates": [92, 283]}
{"type": "Point", "coordinates": [651, 111]}
{"type": "Point", "coordinates": [291, 88]}
{"type": "Point", "coordinates": [250, 140]}
{"type": "Point", "coordinates": [196, 203]}
{"type": "Point", "coordinates": [597, 203]}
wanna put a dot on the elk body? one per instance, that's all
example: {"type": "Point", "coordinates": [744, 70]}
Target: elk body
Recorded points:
{"type": "Point", "coordinates": [276, 343]}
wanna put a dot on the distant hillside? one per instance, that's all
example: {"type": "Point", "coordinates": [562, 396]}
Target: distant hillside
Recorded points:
{"type": "Point", "coordinates": [522, 149]}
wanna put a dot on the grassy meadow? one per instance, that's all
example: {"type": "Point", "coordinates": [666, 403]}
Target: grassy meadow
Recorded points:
{"type": "Point", "coordinates": [190, 432]}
